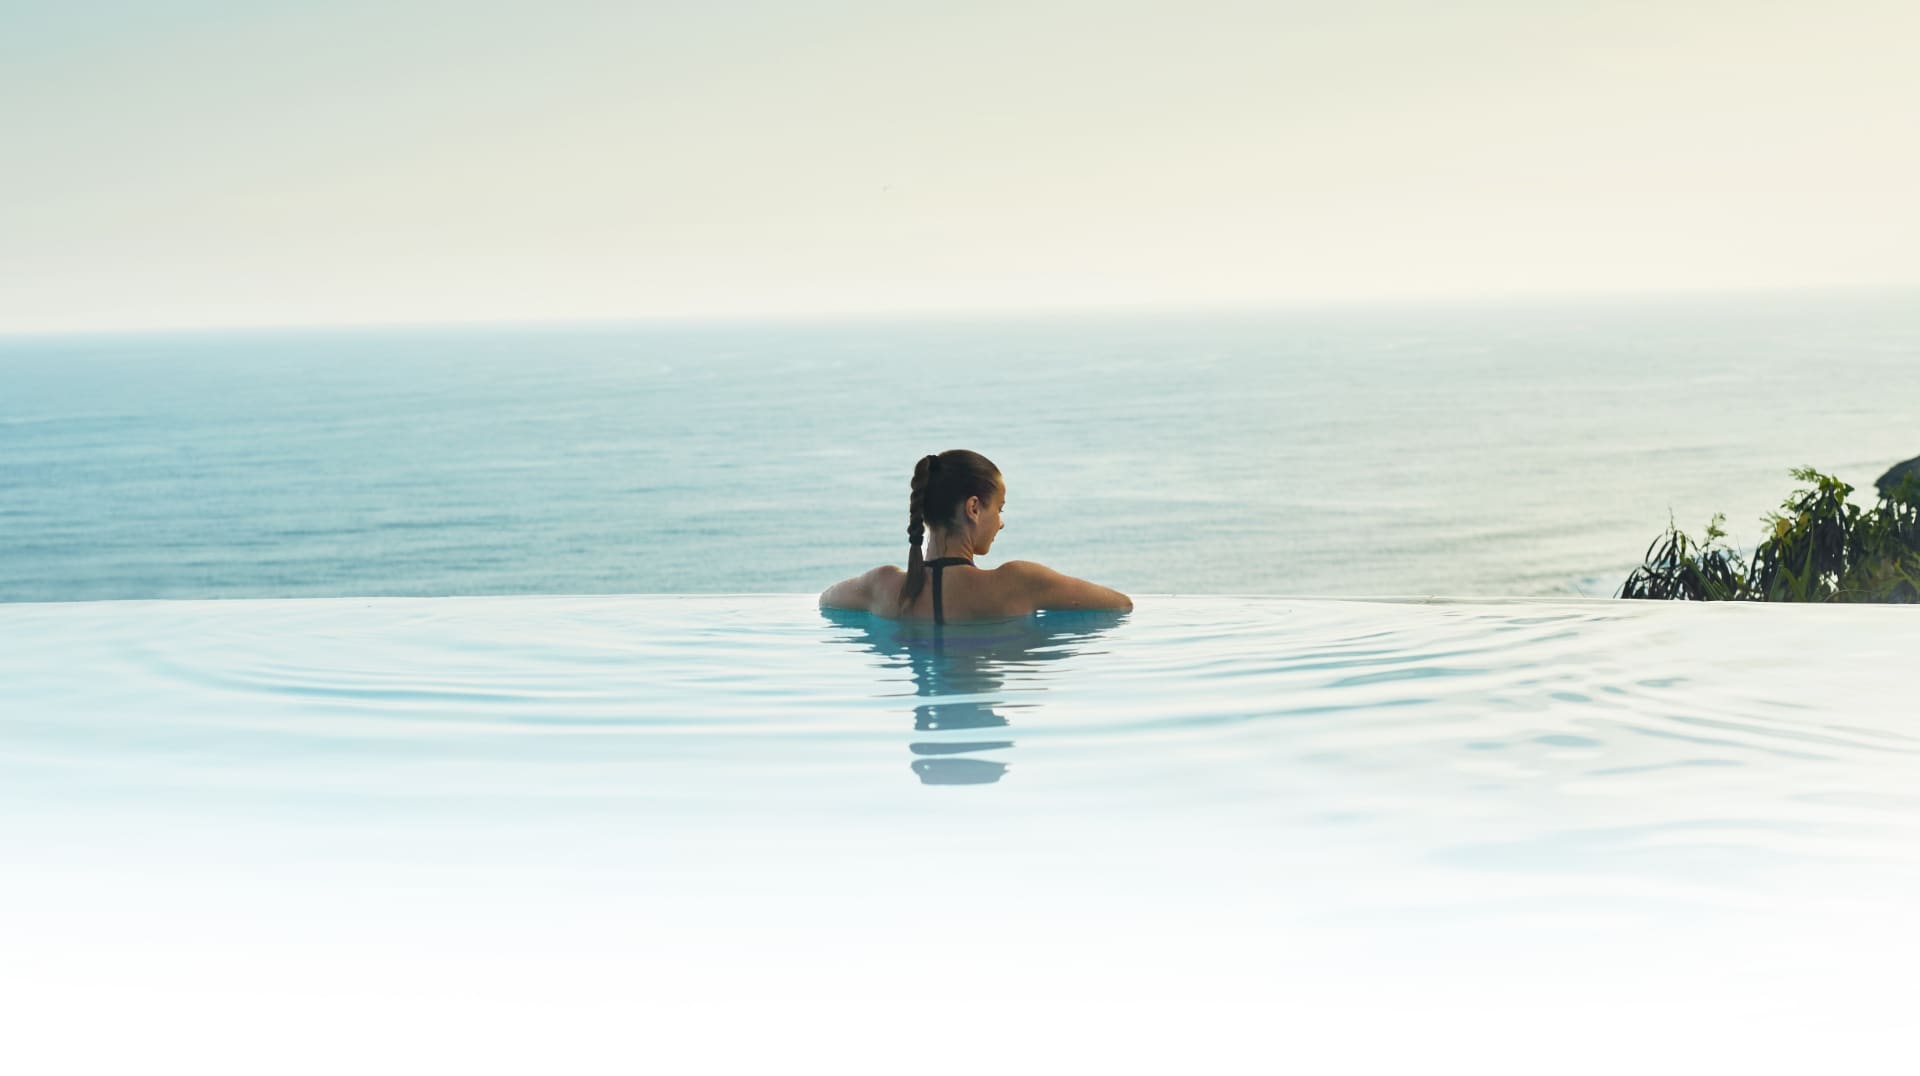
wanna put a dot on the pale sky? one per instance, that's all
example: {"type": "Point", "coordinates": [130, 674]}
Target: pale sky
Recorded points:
{"type": "Point", "coordinates": [234, 162]}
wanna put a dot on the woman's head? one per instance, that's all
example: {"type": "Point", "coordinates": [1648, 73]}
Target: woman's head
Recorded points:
{"type": "Point", "coordinates": [959, 493]}
{"type": "Point", "coordinates": [956, 491]}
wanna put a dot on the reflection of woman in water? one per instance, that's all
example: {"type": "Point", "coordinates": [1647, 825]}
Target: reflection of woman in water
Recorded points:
{"type": "Point", "coordinates": [968, 679]}
{"type": "Point", "coordinates": [956, 504]}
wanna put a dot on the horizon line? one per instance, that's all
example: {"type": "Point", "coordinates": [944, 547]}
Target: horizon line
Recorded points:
{"type": "Point", "coordinates": [1000, 312]}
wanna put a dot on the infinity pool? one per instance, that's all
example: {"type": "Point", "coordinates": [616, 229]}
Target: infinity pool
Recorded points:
{"type": "Point", "coordinates": [740, 828]}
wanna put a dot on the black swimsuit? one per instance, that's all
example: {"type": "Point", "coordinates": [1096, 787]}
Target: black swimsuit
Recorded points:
{"type": "Point", "coordinates": [939, 615]}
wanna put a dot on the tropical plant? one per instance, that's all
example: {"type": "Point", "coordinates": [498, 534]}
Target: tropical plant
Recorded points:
{"type": "Point", "coordinates": [1820, 548]}
{"type": "Point", "coordinates": [1677, 568]}
{"type": "Point", "coordinates": [1812, 546]}
{"type": "Point", "coordinates": [1886, 565]}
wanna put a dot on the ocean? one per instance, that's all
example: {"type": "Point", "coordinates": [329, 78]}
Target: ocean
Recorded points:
{"type": "Point", "coordinates": [1467, 450]}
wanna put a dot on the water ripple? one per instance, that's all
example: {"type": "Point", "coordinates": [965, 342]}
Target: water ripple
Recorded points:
{"type": "Point", "coordinates": [1524, 738]}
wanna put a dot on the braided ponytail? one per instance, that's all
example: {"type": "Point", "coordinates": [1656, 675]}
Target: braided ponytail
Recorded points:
{"type": "Point", "coordinates": [917, 529]}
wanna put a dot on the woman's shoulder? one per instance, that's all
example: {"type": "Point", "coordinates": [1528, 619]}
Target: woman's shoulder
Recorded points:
{"type": "Point", "coordinates": [1044, 588]}
{"type": "Point", "coordinates": [875, 591]}
{"type": "Point", "coordinates": [1027, 572]}
{"type": "Point", "coordinates": [1022, 568]}
{"type": "Point", "coordinates": [883, 584]}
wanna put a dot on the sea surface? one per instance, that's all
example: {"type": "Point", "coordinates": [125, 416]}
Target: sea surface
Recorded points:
{"type": "Point", "coordinates": [1490, 450]}
{"type": "Point", "coordinates": [734, 833]}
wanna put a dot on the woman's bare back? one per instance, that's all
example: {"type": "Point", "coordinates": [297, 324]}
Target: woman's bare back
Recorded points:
{"type": "Point", "coordinates": [1016, 588]}
{"type": "Point", "coordinates": [966, 593]}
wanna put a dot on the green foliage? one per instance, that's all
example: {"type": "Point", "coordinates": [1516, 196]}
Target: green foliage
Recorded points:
{"type": "Point", "coordinates": [1886, 566]}
{"type": "Point", "coordinates": [1679, 569]}
{"type": "Point", "coordinates": [1822, 548]}
{"type": "Point", "coordinates": [1811, 548]}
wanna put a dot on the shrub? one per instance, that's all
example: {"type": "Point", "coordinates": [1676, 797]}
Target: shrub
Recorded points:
{"type": "Point", "coordinates": [1679, 569]}
{"type": "Point", "coordinates": [1821, 548]}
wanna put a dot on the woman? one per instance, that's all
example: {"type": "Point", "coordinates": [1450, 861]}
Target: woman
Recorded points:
{"type": "Point", "coordinates": [958, 496]}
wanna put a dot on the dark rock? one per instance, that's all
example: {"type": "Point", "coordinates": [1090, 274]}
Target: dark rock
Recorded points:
{"type": "Point", "coordinates": [1886, 483]}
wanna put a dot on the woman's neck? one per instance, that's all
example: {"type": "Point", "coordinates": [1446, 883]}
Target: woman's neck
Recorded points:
{"type": "Point", "coordinates": [941, 544]}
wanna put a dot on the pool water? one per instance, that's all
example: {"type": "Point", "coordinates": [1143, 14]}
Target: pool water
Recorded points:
{"type": "Point", "coordinates": [603, 832]}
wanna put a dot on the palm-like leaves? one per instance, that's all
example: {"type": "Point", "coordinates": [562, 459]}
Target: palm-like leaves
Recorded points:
{"type": "Point", "coordinates": [1822, 549]}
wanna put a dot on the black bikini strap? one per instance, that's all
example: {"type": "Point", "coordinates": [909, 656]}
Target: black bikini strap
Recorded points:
{"type": "Point", "coordinates": [940, 614]}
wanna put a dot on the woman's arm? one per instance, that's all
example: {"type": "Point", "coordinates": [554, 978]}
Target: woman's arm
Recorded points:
{"type": "Point", "coordinates": [1049, 589]}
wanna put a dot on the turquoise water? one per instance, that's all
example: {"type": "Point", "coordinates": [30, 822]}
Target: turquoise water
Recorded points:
{"type": "Point", "coordinates": [728, 827]}
{"type": "Point", "coordinates": [1486, 451]}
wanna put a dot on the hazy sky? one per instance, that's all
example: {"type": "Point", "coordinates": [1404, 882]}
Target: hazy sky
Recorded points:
{"type": "Point", "coordinates": [256, 161]}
